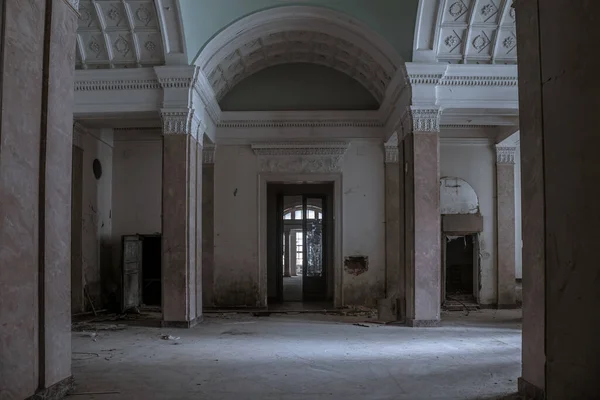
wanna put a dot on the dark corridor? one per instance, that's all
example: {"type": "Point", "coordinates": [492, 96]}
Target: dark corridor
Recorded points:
{"type": "Point", "coordinates": [459, 266]}
{"type": "Point", "coordinates": [151, 270]}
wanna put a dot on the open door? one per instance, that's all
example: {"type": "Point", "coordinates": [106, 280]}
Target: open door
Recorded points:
{"type": "Point", "coordinates": [132, 272]}
{"type": "Point", "coordinates": [314, 277]}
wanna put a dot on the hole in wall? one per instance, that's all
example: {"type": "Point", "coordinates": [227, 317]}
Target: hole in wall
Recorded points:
{"type": "Point", "coordinates": [97, 168]}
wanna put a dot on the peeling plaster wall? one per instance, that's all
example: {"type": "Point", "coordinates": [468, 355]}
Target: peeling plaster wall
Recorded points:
{"type": "Point", "coordinates": [236, 275]}
{"type": "Point", "coordinates": [96, 212]}
{"type": "Point", "coordinates": [475, 164]}
{"type": "Point", "coordinates": [457, 197]}
{"type": "Point", "coordinates": [364, 221]}
{"type": "Point", "coordinates": [137, 196]}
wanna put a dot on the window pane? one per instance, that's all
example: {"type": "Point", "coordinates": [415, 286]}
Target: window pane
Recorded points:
{"type": "Point", "coordinates": [311, 214]}
{"type": "Point", "coordinates": [287, 216]}
{"type": "Point", "coordinates": [298, 214]}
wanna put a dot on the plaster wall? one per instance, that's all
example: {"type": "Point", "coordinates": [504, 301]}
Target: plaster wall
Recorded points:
{"type": "Point", "coordinates": [236, 279]}
{"type": "Point", "coordinates": [137, 192]}
{"type": "Point", "coordinates": [96, 221]}
{"type": "Point", "coordinates": [298, 86]}
{"type": "Point", "coordinates": [475, 163]}
{"type": "Point", "coordinates": [363, 226]}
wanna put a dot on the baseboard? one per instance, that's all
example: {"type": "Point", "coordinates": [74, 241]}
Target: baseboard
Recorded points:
{"type": "Point", "coordinates": [55, 392]}
{"type": "Point", "coordinates": [423, 323]}
{"type": "Point", "coordinates": [530, 391]}
{"type": "Point", "coordinates": [181, 324]}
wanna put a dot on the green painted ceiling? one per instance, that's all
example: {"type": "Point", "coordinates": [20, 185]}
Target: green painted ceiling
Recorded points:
{"type": "Point", "coordinates": [394, 20]}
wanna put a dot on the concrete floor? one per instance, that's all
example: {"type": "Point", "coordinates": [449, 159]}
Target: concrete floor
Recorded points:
{"type": "Point", "coordinates": [297, 357]}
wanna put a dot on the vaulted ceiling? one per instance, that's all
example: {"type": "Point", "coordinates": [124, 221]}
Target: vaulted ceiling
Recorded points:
{"type": "Point", "coordinates": [466, 32]}
{"type": "Point", "coordinates": [119, 34]}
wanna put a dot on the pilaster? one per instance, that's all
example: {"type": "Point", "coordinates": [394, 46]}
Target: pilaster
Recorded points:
{"type": "Point", "coordinates": [208, 225]}
{"type": "Point", "coordinates": [182, 213]}
{"type": "Point", "coordinates": [423, 220]}
{"type": "Point", "coordinates": [505, 195]}
{"type": "Point", "coordinates": [393, 307]}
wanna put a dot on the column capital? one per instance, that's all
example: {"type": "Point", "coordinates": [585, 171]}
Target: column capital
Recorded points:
{"type": "Point", "coordinates": [505, 155]}
{"type": "Point", "coordinates": [425, 119]}
{"type": "Point", "coordinates": [391, 150]}
{"type": "Point", "coordinates": [208, 154]}
{"type": "Point", "coordinates": [182, 121]}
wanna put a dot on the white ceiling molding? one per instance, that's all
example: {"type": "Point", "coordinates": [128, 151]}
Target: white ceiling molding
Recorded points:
{"type": "Point", "coordinates": [467, 95]}
{"type": "Point", "coordinates": [466, 31]}
{"type": "Point", "coordinates": [129, 34]}
{"type": "Point", "coordinates": [299, 34]}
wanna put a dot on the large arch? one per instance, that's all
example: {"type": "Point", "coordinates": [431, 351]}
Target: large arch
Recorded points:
{"type": "Point", "coordinates": [295, 34]}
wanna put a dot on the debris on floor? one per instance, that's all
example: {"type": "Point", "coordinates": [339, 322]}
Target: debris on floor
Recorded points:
{"type": "Point", "coordinates": [169, 337]}
{"type": "Point", "coordinates": [362, 325]}
{"type": "Point", "coordinates": [89, 328]}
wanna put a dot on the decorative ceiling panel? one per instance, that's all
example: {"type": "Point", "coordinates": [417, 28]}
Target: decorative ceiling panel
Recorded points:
{"type": "Point", "coordinates": [477, 32]}
{"type": "Point", "coordinates": [118, 34]}
{"type": "Point", "coordinates": [299, 47]}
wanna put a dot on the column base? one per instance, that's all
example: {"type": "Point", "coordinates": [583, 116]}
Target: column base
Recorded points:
{"type": "Point", "coordinates": [181, 324]}
{"type": "Point", "coordinates": [57, 391]}
{"type": "Point", "coordinates": [423, 323]}
{"type": "Point", "coordinates": [530, 391]}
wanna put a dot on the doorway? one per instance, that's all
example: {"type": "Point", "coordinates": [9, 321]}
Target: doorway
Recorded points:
{"type": "Point", "coordinates": [460, 269]}
{"type": "Point", "coordinates": [300, 243]}
{"type": "Point", "coordinates": [141, 280]}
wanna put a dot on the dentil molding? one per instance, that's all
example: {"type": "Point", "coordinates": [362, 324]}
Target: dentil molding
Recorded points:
{"type": "Point", "coordinates": [303, 157]}
{"type": "Point", "coordinates": [505, 155]}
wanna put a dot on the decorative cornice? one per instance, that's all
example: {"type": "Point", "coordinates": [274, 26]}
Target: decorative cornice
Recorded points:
{"type": "Point", "coordinates": [505, 155]}
{"type": "Point", "coordinates": [208, 154]}
{"type": "Point", "coordinates": [300, 149]}
{"type": "Point", "coordinates": [425, 79]}
{"type": "Point", "coordinates": [177, 83]}
{"type": "Point", "coordinates": [300, 124]}
{"type": "Point", "coordinates": [466, 126]}
{"type": "Point", "coordinates": [426, 120]}
{"type": "Point", "coordinates": [479, 81]}
{"type": "Point", "coordinates": [460, 80]}
{"type": "Point", "coordinates": [100, 85]}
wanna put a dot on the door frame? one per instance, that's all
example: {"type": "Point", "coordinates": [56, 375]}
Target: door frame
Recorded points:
{"type": "Point", "coordinates": [265, 178]}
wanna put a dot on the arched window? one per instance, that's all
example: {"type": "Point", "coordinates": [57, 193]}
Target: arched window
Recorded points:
{"type": "Point", "coordinates": [295, 213]}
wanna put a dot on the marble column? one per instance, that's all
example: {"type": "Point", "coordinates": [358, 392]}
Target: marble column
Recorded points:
{"type": "Point", "coordinates": [422, 219]}
{"type": "Point", "coordinates": [505, 211]}
{"type": "Point", "coordinates": [38, 42]}
{"type": "Point", "coordinates": [393, 308]}
{"type": "Point", "coordinates": [558, 98]}
{"type": "Point", "coordinates": [208, 225]}
{"type": "Point", "coordinates": [181, 155]}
